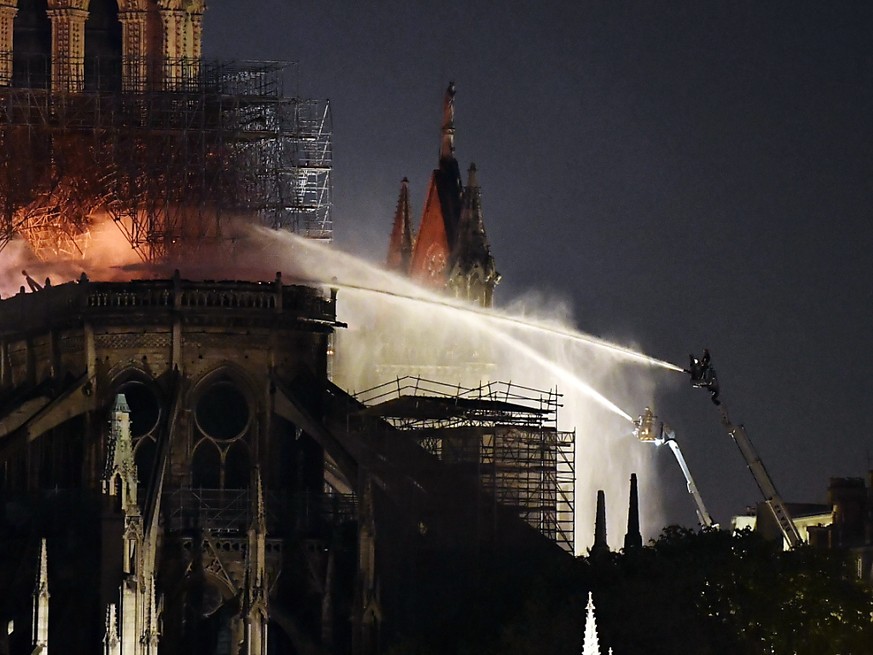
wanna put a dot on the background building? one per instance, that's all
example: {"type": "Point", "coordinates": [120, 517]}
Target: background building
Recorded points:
{"type": "Point", "coordinates": [845, 522]}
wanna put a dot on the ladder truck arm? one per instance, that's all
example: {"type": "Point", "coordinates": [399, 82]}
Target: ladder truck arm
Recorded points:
{"type": "Point", "coordinates": [703, 377]}
{"type": "Point", "coordinates": [703, 516]}
{"type": "Point", "coordinates": [647, 432]}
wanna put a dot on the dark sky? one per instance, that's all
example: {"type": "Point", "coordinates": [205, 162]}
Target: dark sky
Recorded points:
{"type": "Point", "coordinates": [689, 174]}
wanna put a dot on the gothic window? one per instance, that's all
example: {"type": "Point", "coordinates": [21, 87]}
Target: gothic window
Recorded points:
{"type": "Point", "coordinates": [237, 468]}
{"type": "Point", "coordinates": [222, 411]}
{"type": "Point", "coordinates": [206, 466]}
{"type": "Point", "coordinates": [32, 45]}
{"type": "Point", "coordinates": [222, 421]}
{"type": "Point", "coordinates": [145, 408]}
{"type": "Point", "coordinates": [435, 263]}
{"type": "Point", "coordinates": [103, 46]}
{"type": "Point", "coordinates": [145, 414]}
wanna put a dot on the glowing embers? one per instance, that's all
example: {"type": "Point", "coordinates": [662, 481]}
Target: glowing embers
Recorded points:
{"type": "Point", "coordinates": [50, 189]}
{"type": "Point", "coordinates": [56, 223]}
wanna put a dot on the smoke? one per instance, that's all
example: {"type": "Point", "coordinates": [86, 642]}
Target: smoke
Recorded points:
{"type": "Point", "coordinates": [398, 328]}
{"type": "Point", "coordinates": [606, 450]}
{"type": "Point", "coordinates": [243, 252]}
{"type": "Point", "coordinates": [404, 329]}
{"type": "Point", "coordinates": [106, 255]}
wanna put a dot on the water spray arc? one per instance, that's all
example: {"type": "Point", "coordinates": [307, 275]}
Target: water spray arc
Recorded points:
{"type": "Point", "coordinates": [470, 313]}
{"type": "Point", "coordinates": [524, 349]}
{"type": "Point", "coordinates": [513, 321]}
{"type": "Point", "coordinates": [563, 374]}
{"type": "Point", "coordinates": [357, 274]}
{"type": "Point", "coordinates": [597, 382]}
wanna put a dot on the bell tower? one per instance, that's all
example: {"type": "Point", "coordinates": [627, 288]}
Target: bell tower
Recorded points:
{"type": "Point", "coordinates": [71, 45]}
{"type": "Point", "coordinates": [450, 250]}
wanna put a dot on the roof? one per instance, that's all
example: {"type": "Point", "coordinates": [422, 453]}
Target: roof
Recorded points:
{"type": "Point", "coordinates": [437, 407]}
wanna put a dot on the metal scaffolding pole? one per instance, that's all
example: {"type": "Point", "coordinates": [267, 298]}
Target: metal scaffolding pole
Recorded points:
{"type": "Point", "coordinates": [504, 432]}
{"type": "Point", "coordinates": [170, 164]}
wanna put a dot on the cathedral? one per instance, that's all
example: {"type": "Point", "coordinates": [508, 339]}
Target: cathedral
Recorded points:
{"type": "Point", "coordinates": [179, 473]}
{"type": "Point", "coordinates": [70, 44]}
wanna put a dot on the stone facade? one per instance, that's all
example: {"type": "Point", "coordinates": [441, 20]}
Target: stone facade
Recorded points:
{"type": "Point", "coordinates": [196, 487]}
{"type": "Point", "coordinates": [160, 44]}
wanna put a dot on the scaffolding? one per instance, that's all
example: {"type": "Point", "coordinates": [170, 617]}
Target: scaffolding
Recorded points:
{"type": "Point", "coordinates": [504, 432]}
{"type": "Point", "coordinates": [176, 166]}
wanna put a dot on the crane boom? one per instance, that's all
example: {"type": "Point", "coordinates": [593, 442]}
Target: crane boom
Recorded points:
{"type": "Point", "coordinates": [703, 516]}
{"type": "Point", "coordinates": [646, 431]}
{"type": "Point", "coordinates": [762, 478]}
{"type": "Point", "coordinates": [703, 377]}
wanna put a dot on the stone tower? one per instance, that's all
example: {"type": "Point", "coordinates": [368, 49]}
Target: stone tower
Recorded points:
{"type": "Point", "coordinates": [600, 547]}
{"type": "Point", "coordinates": [400, 246]}
{"type": "Point", "coordinates": [450, 250]}
{"type": "Point", "coordinates": [633, 538]}
{"type": "Point", "coordinates": [152, 43]}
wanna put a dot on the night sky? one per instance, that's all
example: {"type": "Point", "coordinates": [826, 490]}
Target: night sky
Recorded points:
{"type": "Point", "coordinates": [686, 174]}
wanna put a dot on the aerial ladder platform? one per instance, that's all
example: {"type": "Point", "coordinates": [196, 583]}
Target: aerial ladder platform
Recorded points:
{"type": "Point", "coordinates": [703, 376]}
{"type": "Point", "coordinates": [647, 432]}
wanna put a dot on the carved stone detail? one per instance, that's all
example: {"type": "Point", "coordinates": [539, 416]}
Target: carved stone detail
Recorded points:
{"type": "Point", "coordinates": [8, 10]}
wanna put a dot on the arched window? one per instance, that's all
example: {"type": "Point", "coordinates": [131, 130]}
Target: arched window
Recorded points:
{"type": "Point", "coordinates": [32, 45]}
{"type": "Point", "coordinates": [146, 451]}
{"type": "Point", "coordinates": [145, 407]}
{"type": "Point", "coordinates": [103, 47]}
{"type": "Point", "coordinates": [222, 411]}
{"type": "Point", "coordinates": [206, 466]}
{"type": "Point", "coordinates": [222, 422]}
{"type": "Point", "coordinates": [237, 467]}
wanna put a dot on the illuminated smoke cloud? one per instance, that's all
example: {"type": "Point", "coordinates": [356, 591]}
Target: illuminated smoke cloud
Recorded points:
{"type": "Point", "coordinates": [405, 329]}
{"type": "Point", "coordinates": [391, 335]}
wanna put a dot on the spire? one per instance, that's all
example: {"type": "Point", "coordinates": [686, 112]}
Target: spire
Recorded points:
{"type": "Point", "coordinates": [400, 246]}
{"type": "Point", "coordinates": [591, 645]}
{"type": "Point", "coordinates": [120, 474]}
{"type": "Point", "coordinates": [633, 538]}
{"type": "Point", "coordinates": [41, 604]}
{"type": "Point", "coordinates": [254, 606]}
{"type": "Point", "coordinates": [151, 633]}
{"type": "Point", "coordinates": [111, 645]}
{"type": "Point", "coordinates": [447, 143]}
{"type": "Point", "coordinates": [472, 177]}
{"type": "Point", "coordinates": [473, 268]}
{"type": "Point", "coordinates": [447, 177]}
{"type": "Point", "coordinates": [600, 546]}
{"type": "Point", "coordinates": [256, 558]}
